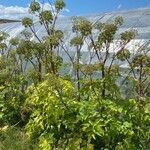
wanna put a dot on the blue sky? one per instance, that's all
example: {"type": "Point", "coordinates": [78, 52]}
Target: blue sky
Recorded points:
{"type": "Point", "coordinates": [76, 7]}
{"type": "Point", "coordinates": [94, 6]}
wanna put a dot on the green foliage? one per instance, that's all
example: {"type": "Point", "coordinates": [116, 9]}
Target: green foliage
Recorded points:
{"type": "Point", "coordinates": [141, 59]}
{"type": "Point", "coordinates": [118, 21]}
{"type": "Point", "coordinates": [76, 41]}
{"type": "Point", "coordinates": [46, 16]}
{"type": "Point", "coordinates": [34, 6]}
{"type": "Point", "coordinates": [63, 122]}
{"type": "Point", "coordinates": [53, 40]}
{"type": "Point", "coordinates": [127, 36]}
{"type": "Point", "coordinates": [14, 41]}
{"type": "Point", "coordinates": [123, 54]}
{"type": "Point", "coordinates": [59, 5]}
{"type": "Point", "coordinates": [14, 139]}
{"type": "Point", "coordinates": [27, 22]}
{"type": "Point", "coordinates": [82, 25]}
{"type": "Point", "coordinates": [107, 34]}
{"type": "Point", "coordinates": [3, 36]}
{"type": "Point", "coordinates": [95, 107]}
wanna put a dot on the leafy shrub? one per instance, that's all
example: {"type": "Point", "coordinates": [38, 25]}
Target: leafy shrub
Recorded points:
{"type": "Point", "coordinates": [14, 139]}
{"type": "Point", "coordinates": [60, 121]}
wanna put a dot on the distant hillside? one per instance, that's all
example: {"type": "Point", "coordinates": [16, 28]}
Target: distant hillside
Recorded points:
{"type": "Point", "coordinates": [8, 21]}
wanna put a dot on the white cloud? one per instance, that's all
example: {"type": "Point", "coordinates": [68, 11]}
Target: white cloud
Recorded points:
{"type": "Point", "coordinates": [66, 10]}
{"type": "Point", "coordinates": [119, 6]}
{"type": "Point", "coordinates": [17, 12]}
{"type": "Point", "coordinates": [47, 6]}
{"type": "Point", "coordinates": [13, 12]}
